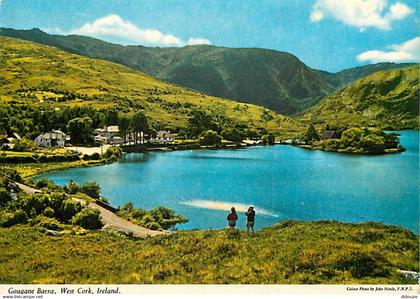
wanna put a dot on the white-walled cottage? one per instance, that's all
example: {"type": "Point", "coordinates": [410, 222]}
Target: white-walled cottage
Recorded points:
{"type": "Point", "coordinates": [53, 138]}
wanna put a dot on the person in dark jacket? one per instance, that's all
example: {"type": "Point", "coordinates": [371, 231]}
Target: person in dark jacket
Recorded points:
{"type": "Point", "coordinates": [232, 217]}
{"type": "Point", "coordinates": [250, 217]}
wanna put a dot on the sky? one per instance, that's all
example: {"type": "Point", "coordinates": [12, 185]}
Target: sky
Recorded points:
{"type": "Point", "coordinates": [329, 35]}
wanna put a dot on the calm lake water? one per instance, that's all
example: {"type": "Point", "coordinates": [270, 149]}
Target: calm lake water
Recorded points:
{"type": "Point", "coordinates": [282, 182]}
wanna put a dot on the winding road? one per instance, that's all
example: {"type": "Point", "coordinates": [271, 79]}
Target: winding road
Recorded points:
{"type": "Point", "coordinates": [110, 219]}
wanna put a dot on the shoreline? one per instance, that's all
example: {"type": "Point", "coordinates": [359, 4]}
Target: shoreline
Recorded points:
{"type": "Point", "coordinates": [386, 152]}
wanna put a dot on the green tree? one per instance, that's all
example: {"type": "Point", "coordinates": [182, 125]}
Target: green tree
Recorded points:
{"type": "Point", "coordinates": [124, 127]}
{"type": "Point", "coordinates": [310, 135]}
{"type": "Point", "coordinates": [113, 151]}
{"type": "Point", "coordinates": [210, 137]}
{"type": "Point", "coordinates": [351, 137]}
{"type": "Point", "coordinates": [88, 218]}
{"type": "Point", "coordinates": [70, 207]}
{"type": "Point", "coordinates": [139, 124]}
{"type": "Point", "coordinates": [233, 134]}
{"type": "Point", "coordinates": [268, 139]}
{"type": "Point", "coordinates": [373, 143]}
{"type": "Point", "coordinates": [71, 187]}
{"type": "Point", "coordinates": [111, 117]}
{"type": "Point", "coordinates": [81, 130]}
{"type": "Point", "coordinates": [91, 189]}
{"type": "Point", "coordinates": [24, 145]}
{"type": "Point", "coordinates": [167, 218]}
{"type": "Point", "coordinates": [199, 122]}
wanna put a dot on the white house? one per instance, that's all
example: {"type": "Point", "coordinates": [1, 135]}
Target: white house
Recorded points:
{"type": "Point", "coordinates": [53, 138]}
{"type": "Point", "coordinates": [8, 139]}
{"type": "Point", "coordinates": [107, 134]}
{"type": "Point", "coordinates": [163, 136]}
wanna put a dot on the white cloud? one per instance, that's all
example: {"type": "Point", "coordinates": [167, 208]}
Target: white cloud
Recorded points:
{"type": "Point", "coordinates": [360, 13]}
{"type": "Point", "coordinates": [113, 26]}
{"type": "Point", "coordinates": [198, 41]}
{"type": "Point", "coordinates": [405, 52]}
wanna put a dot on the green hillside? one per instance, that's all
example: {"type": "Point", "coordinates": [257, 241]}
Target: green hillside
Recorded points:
{"type": "Point", "coordinates": [291, 252]}
{"type": "Point", "coordinates": [273, 79]}
{"type": "Point", "coordinates": [347, 76]}
{"type": "Point", "coordinates": [386, 99]}
{"type": "Point", "coordinates": [43, 77]}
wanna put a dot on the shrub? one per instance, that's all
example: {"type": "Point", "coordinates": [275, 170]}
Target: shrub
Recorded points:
{"type": "Point", "coordinates": [4, 197]}
{"type": "Point", "coordinates": [91, 189]}
{"type": "Point", "coordinates": [167, 217]}
{"type": "Point", "coordinates": [46, 183]}
{"type": "Point", "coordinates": [95, 156]}
{"type": "Point", "coordinates": [310, 135]}
{"type": "Point", "coordinates": [48, 212]}
{"type": "Point", "coordinates": [56, 202]}
{"type": "Point", "coordinates": [35, 204]}
{"type": "Point", "coordinates": [88, 218]}
{"type": "Point", "coordinates": [210, 137]}
{"type": "Point", "coordinates": [47, 222]}
{"type": "Point", "coordinates": [71, 187]}
{"type": "Point", "coordinates": [268, 139]}
{"type": "Point", "coordinates": [373, 143]}
{"type": "Point", "coordinates": [146, 219]}
{"type": "Point", "coordinates": [24, 145]}
{"type": "Point", "coordinates": [113, 158]}
{"type": "Point", "coordinates": [70, 207]}
{"type": "Point", "coordinates": [233, 134]}
{"type": "Point", "coordinates": [361, 264]}
{"type": "Point", "coordinates": [153, 226]}
{"type": "Point", "coordinates": [13, 175]}
{"type": "Point", "coordinates": [8, 219]}
{"type": "Point", "coordinates": [113, 151]}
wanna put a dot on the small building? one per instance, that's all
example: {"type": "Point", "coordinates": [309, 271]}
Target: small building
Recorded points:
{"type": "Point", "coordinates": [105, 134]}
{"type": "Point", "coordinates": [115, 140]}
{"type": "Point", "coordinates": [53, 138]}
{"type": "Point", "coordinates": [329, 134]}
{"type": "Point", "coordinates": [8, 139]}
{"type": "Point", "coordinates": [163, 136]}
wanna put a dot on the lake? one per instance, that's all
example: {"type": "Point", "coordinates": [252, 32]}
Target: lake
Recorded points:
{"type": "Point", "coordinates": [282, 182]}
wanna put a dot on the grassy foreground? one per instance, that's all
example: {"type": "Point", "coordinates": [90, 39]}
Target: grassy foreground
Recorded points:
{"type": "Point", "coordinates": [290, 252]}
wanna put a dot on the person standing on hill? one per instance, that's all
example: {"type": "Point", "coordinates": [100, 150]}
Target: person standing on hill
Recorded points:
{"type": "Point", "coordinates": [232, 217]}
{"type": "Point", "coordinates": [250, 217]}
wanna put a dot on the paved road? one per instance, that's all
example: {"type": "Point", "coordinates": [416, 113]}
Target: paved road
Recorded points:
{"type": "Point", "coordinates": [110, 219]}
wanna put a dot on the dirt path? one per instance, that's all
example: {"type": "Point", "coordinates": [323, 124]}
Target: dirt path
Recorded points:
{"type": "Point", "coordinates": [117, 223]}
{"type": "Point", "coordinates": [110, 219]}
{"type": "Point", "coordinates": [89, 150]}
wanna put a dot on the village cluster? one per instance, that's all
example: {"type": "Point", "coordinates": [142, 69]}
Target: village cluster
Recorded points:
{"type": "Point", "coordinates": [106, 135]}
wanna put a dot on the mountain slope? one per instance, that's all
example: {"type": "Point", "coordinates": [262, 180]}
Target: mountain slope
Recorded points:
{"type": "Point", "coordinates": [49, 78]}
{"type": "Point", "coordinates": [350, 75]}
{"type": "Point", "coordinates": [276, 80]}
{"type": "Point", "coordinates": [388, 99]}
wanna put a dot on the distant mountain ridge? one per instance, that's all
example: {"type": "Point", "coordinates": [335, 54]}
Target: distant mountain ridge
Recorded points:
{"type": "Point", "coordinates": [274, 79]}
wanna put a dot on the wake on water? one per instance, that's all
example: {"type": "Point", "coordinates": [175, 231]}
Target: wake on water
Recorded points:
{"type": "Point", "coordinates": [225, 206]}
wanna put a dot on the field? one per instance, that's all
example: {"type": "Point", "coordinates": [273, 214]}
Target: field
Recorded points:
{"type": "Point", "coordinates": [287, 253]}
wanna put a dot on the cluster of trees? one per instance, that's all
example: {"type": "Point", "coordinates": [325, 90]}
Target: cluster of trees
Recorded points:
{"type": "Point", "coordinates": [353, 139]}
{"type": "Point", "coordinates": [79, 122]}
{"type": "Point", "coordinates": [30, 121]}
{"type": "Point", "coordinates": [48, 210]}
{"type": "Point", "coordinates": [159, 218]}
{"type": "Point", "coordinates": [210, 129]}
